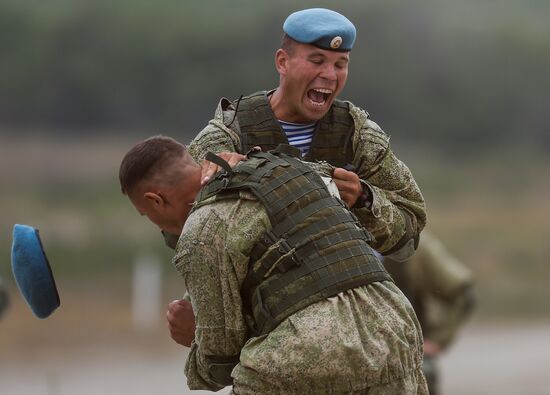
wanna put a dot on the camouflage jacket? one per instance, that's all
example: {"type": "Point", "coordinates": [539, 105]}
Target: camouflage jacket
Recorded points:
{"type": "Point", "coordinates": [361, 338]}
{"type": "Point", "coordinates": [397, 214]}
{"type": "Point", "coordinates": [439, 286]}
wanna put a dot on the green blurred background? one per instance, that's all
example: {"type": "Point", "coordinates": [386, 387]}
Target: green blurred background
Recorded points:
{"type": "Point", "coordinates": [463, 88]}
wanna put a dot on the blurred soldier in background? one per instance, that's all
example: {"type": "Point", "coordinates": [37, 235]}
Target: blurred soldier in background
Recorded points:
{"type": "Point", "coordinates": [4, 298]}
{"type": "Point", "coordinates": [440, 289]}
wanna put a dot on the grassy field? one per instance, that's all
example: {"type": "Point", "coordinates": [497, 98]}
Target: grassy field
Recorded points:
{"type": "Point", "coordinates": [491, 211]}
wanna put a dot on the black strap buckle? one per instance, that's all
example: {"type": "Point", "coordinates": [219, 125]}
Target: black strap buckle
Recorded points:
{"type": "Point", "coordinates": [269, 238]}
{"type": "Point", "coordinates": [284, 247]}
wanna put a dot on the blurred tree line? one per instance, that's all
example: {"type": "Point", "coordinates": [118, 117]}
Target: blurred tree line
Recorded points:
{"type": "Point", "coordinates": [443, 73]}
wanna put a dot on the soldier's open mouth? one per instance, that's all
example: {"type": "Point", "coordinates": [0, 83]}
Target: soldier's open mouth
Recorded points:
{"type": "Point", "coordinates": [319, 97]}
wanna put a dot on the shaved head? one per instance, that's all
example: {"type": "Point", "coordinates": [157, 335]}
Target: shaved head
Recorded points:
{"type": "Point", "coordinates": [152, 161]}
{"type": "Point", "coordinates": [161, 180]}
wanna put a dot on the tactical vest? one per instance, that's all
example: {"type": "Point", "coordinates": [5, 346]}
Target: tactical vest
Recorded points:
{"type": "Point", "coordinates": [332, 139]}
{"type": "Point", "coordinates": [315, 248]}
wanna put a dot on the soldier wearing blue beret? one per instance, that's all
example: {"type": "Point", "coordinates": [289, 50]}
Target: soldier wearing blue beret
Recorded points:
{"type": "Point", "coordinates": [305, 112]}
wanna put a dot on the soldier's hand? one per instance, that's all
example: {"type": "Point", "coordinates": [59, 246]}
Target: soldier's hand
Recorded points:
{"type": "Point", "coordinates": [209, 168]}
{"type": "Point", "coordinates": [431, 348]}
{"type": "Point", "coordinates": [348, 185]}
{"type": "Point", "coordinates": [181, 322]}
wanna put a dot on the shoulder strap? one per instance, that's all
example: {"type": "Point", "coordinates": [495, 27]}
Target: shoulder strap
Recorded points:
{"type": "Point", "coordinates": [257, 123]}
{"type": "Point", "coordinates": [211, 157]}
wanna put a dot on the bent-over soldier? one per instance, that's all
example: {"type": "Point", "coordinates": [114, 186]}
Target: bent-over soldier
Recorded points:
{"type": "Point", "coordinates": [286, 293]}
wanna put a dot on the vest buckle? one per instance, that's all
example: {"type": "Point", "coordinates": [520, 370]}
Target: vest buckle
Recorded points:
{"type": "Point", "coordinates": [284, 247]}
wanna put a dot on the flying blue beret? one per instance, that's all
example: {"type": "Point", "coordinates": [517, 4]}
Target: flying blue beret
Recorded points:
{"type": "Point", "coordinates": [323, 28]}
{"type": "Point", "coordinates": [32, 271]}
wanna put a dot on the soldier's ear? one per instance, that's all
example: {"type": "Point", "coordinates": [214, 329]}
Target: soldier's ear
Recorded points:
{"type": "Point", "coordinates": [154, 199]}
{"type": "Point", "coordinates": [281, 61]}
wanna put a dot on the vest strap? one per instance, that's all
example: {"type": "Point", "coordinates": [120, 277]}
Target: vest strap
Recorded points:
{"type": "Point", "coordinates": [211, 157]}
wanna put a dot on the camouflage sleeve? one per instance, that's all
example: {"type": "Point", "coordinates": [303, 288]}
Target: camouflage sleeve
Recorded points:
{"type": "Point", "coordinates": [397, 213]}
{"type": "Point", "coordinates": [445, 318]}
{"type": "Point", "coordinates": [212, 259]}
{"type": "Point", "coordinates": [448, 286]}
{"type": "Point", "coordinates": [434, 269]}
{"type": "Point", "coordinates": [215, 137]}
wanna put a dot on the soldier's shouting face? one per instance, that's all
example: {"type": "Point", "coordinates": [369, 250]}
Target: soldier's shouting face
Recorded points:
{"type": "Point", "coordinates": [311, 78]}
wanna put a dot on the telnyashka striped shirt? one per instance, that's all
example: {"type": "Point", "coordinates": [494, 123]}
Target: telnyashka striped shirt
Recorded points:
{"type": "Point", "coordinates": [299, 135]}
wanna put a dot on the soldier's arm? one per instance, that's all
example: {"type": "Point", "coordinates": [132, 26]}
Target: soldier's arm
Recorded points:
{"type": "Point", "coordinates": [395, 211]}
{"type": "Point", "coordinates": [213, 268]}
{"type": "Point", "coordinates": [217, 136]}
{"type": "Point", "coordinates": [451, 316]}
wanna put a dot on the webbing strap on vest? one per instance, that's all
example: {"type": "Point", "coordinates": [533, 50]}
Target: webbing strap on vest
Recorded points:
{"type": "Point", "coordinates": [218, 161]}
{"type": "Point", "coordinates": [315, 248]}
{"type": "Point", "coordinates": [332, 138]}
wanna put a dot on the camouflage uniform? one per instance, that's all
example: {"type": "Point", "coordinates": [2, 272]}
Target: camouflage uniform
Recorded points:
{"type": "Point", "coordinates": [440, 289]}
{"type": "Point", "coordinates": [397, 213]}
{"type": "Point", "coordinates": [365, 340]}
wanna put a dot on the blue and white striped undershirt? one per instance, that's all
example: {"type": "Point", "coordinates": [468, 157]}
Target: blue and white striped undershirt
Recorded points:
{"type": "Point", "coordinates": [299, 135]}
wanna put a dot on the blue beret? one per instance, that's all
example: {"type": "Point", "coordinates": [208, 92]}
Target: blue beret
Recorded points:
{"type": "Point", "coordinates": [323, 28]}
{"type": "Point", "coordinates": [32, 271]}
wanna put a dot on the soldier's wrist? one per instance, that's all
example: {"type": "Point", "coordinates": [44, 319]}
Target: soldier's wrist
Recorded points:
{"type": "Point", "coordinates": [365, 198]}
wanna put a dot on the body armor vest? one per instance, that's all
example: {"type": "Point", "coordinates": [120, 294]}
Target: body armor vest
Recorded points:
{"type": "Point", "coordinates": [332, 139]}
{"type": "Point", "coordinates": [315, 248]}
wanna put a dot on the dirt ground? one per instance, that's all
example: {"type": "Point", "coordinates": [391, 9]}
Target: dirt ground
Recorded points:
{"type": "Point", "coordinates": [93, 353]}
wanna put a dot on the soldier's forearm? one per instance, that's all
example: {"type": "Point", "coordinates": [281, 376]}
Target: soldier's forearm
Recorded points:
{"type": "Point", "coordinates": [395, 228]}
